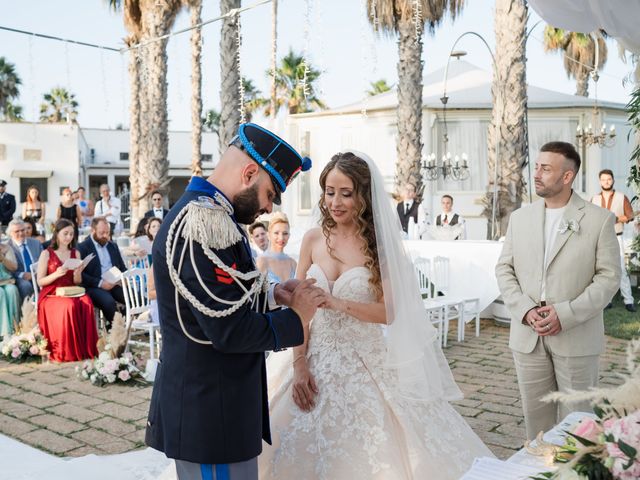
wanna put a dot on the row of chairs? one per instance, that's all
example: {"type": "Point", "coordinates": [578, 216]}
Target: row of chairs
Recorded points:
{"type": "Point", "coordinates": [441, 308]}
{"type": "Point", "coordinates": [135, 286]}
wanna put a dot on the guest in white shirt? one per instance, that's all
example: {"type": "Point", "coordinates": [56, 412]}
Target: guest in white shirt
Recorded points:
{"type": "Point", "coordinates": [449, 217]}
{"type": "Point", "coordinates": [108, 207]}
{"type": "Point", "coordinates": [158, 209]}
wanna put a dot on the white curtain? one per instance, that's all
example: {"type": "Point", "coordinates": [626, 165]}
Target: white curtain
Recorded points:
{"type": "Point", "coordinates": [465, 136]}
{"type": "Point", "coordinates": [619, 18]}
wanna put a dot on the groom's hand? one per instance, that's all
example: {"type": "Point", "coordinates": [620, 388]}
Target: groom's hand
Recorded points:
{"type": "Point", "coordinates": [305, 299]}
{"type": "Point", "coordinates": [282, 291]}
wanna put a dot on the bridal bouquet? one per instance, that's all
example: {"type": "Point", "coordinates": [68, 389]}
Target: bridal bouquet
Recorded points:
{"type": "Point", "coordinates": [113, 363]}
{"type": "Point", "coordinates": [27, 343]}
{"type": "Point", "coordinates": [607, 447]}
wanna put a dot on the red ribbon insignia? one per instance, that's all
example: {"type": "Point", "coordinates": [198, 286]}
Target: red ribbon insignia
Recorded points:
{"type": "Point", "coordinates": [224, 277]}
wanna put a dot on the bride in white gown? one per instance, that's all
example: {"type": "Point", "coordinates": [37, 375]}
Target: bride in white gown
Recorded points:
{"type": "Point", "coordinates": [366, 396]}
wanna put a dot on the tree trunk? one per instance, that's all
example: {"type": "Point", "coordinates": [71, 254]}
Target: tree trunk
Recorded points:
{"type": "Point", "coordinates": [409, 143]}
{"type": "Point", "coordinates": [582, 84]}
{"type": "Point", "coordinates": [135, 85]}
{"type": "Point", "coordinates": [196, 89]}
{"type": "Point", "coordinates": [230, 77]}
{"type": "Point", "coordinates": [274, 48]}
{"type": "Point", "coordinates": [154, 166]}
{"type": "Point", "coordinates": [507, 139]}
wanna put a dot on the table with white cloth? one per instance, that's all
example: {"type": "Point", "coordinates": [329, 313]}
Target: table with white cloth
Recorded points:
{"type": "Point", "coordinates": [472, 266]}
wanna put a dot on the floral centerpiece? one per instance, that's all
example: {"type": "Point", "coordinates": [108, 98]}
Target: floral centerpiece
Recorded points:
{"type": "Point", "coordinates": [27, 343]}
{"type": "Point", "coordinates": [113, 363]}
{"type": "Point", "coordinates": [606, 447]}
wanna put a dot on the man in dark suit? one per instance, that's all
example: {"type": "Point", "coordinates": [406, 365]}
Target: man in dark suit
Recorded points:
{"type": "Point", "coordinates": [409, 209]}
{"type": "Point", "coordinates": [158, 210]}
{"type": "Point", "coordinates": [209, 409]}
{"type": "Point", "coordinates": [7, 206]}
{"type": "Point", "coordinates": [27, 252]}
{"type": "Point", "coordinates": [104, 294]}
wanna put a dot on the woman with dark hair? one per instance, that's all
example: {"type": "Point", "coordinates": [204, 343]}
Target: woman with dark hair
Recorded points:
{"type": "Point", "coordinates": [366, 395]}
{"type": "Point", "coordinates": [31, 230]}
{"type": "Point", "coordinates": [34, 208]}
{"type": "Point", "coordinates": [67, 322]}
{"type": "Point", "coordinates": [70, 210]}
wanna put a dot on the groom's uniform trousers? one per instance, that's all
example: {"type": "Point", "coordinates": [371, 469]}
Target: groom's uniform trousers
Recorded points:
{"type": "Point", "coordinates": [209, 408]}
{"type": "Point", "coordinates": [581, 275]}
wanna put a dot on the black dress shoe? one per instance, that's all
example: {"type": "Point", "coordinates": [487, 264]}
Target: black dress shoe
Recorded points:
{"type": "Point", "coordinates": [631, 307]}
{"type": "Point", "coordinates": [609, 305]}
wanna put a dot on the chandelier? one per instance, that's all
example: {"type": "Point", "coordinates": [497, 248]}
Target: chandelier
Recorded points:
{"type": "Point", "coordinates": [595, 133]}
{"type": "Point", "coordinates": [455, 167]}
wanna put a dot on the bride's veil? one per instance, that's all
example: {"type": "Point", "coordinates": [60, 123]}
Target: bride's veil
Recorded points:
{"type": "Point", "coordinates": [414, 355]}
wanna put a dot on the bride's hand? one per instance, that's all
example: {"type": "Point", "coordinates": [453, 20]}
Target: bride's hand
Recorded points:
{"type": "Point", "coordinates": [304, 388]}
{"type": "Point", "coordinates": [330, 302]}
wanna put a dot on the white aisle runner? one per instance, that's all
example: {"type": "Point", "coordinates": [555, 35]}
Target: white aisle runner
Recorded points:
{"type": "Point", "coordinates": [22, 462]}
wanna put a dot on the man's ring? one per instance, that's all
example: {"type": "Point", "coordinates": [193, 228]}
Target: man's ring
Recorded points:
{"type": "Point", "coordinates": [547, 326]}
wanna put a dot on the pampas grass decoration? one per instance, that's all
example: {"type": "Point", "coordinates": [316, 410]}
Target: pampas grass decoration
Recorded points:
{"type": "Point", "coordinates": [116, 338]}
{"type": "Point", "coordinates": [29, 315]}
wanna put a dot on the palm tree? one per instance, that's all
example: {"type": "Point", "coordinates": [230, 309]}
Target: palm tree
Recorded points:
{"type": "Point", "coordinates": [507, 139]}
{"type": "Point", "coordinates": [229, 94]}
{"type": "Point", "coordinates": [59, 106]}
{"type": "Point", "coordinates": [13, 113]}
{"type": "Point", "coordinates": [406, 18]}
{"type": "Point", "coordinates": [211, 121]}
{"type": "Point", "coordinates": [579, 54]}
{"type": "Point", "coordinates": [9, 89]}
{"type": "Point", "coordinates": [291, 87]}
{"type": "Point", "coordinates": [147, 20]}
{"type": "Point", "coordinates": [195, 7]}
{"type": "Point", "coordinates": [252, 99]}
{"type": "Point", "coordinates": [378, 87]}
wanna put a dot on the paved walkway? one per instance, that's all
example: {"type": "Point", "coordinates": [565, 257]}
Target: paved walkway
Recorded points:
{"type": "Point", "coordinates": [48, 407]}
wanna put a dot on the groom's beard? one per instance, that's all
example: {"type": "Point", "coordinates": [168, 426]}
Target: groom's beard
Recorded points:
{"type": "Point", "coordinates": [246, 206]}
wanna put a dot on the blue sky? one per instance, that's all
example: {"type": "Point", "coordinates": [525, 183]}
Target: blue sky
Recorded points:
{"type": "Point", "coordinates": [340, 43]}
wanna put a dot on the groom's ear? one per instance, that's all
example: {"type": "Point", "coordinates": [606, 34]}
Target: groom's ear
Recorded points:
{"type": "Point", "coordinates": [249, 174]}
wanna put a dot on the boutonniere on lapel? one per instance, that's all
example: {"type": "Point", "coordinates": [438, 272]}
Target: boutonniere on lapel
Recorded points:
{"type": "Point", "coordinates": [568, 226]}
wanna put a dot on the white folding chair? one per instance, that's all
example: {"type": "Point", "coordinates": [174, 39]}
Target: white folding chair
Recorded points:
{"type": "Point", "coordinates": [136, 298]}
{"type": "Point", "coordinates": [33, 269]}
{"type": "Point", "coordinates": [436, 310]}
{"type": "Point", "coordinates": [467, 309]}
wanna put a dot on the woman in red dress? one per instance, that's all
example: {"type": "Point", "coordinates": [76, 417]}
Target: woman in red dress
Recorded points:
{"type": "Point", "coordinates": [68, 323]}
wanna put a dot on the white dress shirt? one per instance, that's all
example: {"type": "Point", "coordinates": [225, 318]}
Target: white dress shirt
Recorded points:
{"type": "Point", "coordinates": [103, 257]}
{"type": "Point", "coordinates": [110, 211]}
{"type": "Point", "coordinates": [158, 213]}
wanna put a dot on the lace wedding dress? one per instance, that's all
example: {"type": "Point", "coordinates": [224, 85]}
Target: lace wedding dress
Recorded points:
{"type": "Point", "coordinates": [358, 428]}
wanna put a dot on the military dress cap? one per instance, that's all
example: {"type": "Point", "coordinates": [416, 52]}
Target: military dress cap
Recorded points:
{"type": "Point", "coordinates": [277, 157]}
{"type": "Point", "coordinates": [3, 183]}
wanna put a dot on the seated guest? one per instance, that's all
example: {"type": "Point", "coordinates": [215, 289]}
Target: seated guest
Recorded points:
{"type": "Point", "coordinates": [140, 238]}
{"type": "Point", "coordinates": [259, 238]}
{"type": "Point", "coordinates": [67, 322]}
{"type": "Point", "coordinates": [158, 209]}
{"type": "Point", "coordinates": [104, 294]}
{"type": "Point", "coordinates": [27, 251]}
{"type": "Point", "coordinates": [278, 266]}
{"type": "Point", "coordinates": [31, 231]}
{"type": "Point", "coordinates": [9, 295]}
{"type": "Point", "coordinates": [449, 217]}
{"type": "Point", "coordinates": [145, 241]}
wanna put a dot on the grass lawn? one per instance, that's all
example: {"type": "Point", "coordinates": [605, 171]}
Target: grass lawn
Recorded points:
{"type": "Point", "coordinates": [622, 324]}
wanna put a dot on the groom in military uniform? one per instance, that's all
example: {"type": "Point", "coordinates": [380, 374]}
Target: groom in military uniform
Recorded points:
{"type": "Point", "coordinates": [209, 409]}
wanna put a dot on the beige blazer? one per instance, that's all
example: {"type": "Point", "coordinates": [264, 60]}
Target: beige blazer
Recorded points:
{"type": "Point", "coordinates": [581, 277]}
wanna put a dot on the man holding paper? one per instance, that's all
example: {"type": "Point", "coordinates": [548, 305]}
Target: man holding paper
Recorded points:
{"type": "Point", "coordinates": [100, 277]}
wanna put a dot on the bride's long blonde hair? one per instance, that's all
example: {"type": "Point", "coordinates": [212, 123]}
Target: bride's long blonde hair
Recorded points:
{"type": "Point", "coordinates": [357, 170]}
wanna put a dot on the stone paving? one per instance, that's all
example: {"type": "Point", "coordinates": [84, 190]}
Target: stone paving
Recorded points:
{"type": "Point", "coordinates": [48, 407]}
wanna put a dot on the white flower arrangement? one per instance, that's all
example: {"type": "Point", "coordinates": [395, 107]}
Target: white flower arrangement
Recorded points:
{"type": "Point", "coordinates": [105, 369]}
{"type": "Point", "coordinates": [27, 343]}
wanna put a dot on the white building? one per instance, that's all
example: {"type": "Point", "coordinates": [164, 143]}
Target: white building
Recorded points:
{"type": "Point", "coordinates": [552, 116]}
{"type": "Point", "coordinates": [53, 156]}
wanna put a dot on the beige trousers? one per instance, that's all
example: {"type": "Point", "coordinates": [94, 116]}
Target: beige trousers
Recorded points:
{"type": "Point", "coordinates": [541, 372]}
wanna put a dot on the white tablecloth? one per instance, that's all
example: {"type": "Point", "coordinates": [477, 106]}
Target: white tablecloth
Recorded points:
{"type": "Point", "coordinates": [472, 265]}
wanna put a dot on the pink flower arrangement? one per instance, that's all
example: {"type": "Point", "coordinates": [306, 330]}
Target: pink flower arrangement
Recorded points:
{"type": "Point", "coordinates": [21, 347]}
{"type": "Point", "coordinates": [589, 429]}
{"type": "Point", "coordinates": [105, 369]}
{"type": "Point", "coordinates": [623, 444]}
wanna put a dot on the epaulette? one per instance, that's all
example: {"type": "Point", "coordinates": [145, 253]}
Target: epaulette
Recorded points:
{"type": "Point", "coordinates": [210, 224]}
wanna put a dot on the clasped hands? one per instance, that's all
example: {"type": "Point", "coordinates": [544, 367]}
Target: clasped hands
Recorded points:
{"type": "Point", "coordinates": [302, 296]}
{"type": "Point", "coordinates": [544, 320]}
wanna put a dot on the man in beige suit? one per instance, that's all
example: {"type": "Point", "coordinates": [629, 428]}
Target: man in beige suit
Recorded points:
{"type": "Point", "coordinates": [558, 269]}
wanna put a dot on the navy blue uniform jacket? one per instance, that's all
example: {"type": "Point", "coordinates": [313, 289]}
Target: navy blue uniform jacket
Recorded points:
{"type": "Point", "coordinates": [209, 403]}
